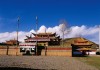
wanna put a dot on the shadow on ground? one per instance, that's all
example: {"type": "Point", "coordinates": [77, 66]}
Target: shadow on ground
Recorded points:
{"type": "Point", "coordinates": [18, 68]}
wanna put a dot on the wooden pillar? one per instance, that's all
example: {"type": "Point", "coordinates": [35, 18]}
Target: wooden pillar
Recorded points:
{"type": "Point", "coordinates": [16, 51]}
{"type": "Point", "coordinates": [45, 49]}
{"type": "Point", "coordinates": [7, 50]}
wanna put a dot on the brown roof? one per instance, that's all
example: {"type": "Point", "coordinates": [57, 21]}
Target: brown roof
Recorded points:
{"type": "Point", "coordinates": [81, 41]}
{"type": "Point", "coordinates": [38, 39]}
{"type": "Point", "coordinates": [12, 41]}
{"type": "Point", "coordinates": [85, 49]}
{"type": "Point", "coordinates": [44, 33]}
{"type": "Point", "coordinates": [84, 44]}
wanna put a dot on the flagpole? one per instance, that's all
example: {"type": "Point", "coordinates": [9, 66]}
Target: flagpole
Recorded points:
{"type": "Point", "coordinates": [36, 32]}
{"type": "Point", "coordinates": [99, 37]}
{"type": "Point", "coordinates": [17, 31]}
{"type": "Point", "coordinates": [17, 36]}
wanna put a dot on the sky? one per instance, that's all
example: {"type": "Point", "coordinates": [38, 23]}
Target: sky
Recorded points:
{"type": "Point", "coordinates": [80, 15]}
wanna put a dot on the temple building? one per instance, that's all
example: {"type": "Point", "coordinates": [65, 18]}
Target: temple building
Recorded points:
{"type": "Point", "coordinates": [80, 47]}
{"type": "Point", "coordinates": [11, 42]}
{"type": "Point", "coordinates": [42, 39]}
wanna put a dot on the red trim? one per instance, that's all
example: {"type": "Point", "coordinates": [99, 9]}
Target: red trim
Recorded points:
{"type": "Point", "coordinates": [59, 48]}
{"type": "Point", "coordinates": [27, 45]}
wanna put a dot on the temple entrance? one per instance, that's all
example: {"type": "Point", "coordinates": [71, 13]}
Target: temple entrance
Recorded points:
{"type": "Point", "coordinates": [39, 50]}
{"type": "Point", "coordinates": [27, 52]}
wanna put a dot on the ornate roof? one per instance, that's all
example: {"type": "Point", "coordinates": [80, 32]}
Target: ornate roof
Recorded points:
{"type": "Point", "coordinates": [44, 34]}
{"type": "Point", "coordinates": [81, 41]}
{"type": "Point", "coordinates": [38, 39]}
{"type": "Point", "coordinates": [12, 41]}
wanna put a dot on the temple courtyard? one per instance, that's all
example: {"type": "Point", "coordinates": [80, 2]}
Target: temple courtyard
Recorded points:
{"type": "Point", "coordinates": [48, 63]}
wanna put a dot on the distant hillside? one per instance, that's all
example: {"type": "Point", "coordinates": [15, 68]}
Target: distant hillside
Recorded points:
{"type": "Point", "coordinates": [69, 41]}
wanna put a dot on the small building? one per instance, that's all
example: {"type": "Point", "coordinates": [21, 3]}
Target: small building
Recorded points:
{"type": "Point", "coordinates": [11, 42]}
{"type": "Point", "coordinates": [81, 47]}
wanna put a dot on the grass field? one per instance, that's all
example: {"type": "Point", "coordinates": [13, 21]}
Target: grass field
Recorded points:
{"type": "Point", "coordinates": [91, 60]}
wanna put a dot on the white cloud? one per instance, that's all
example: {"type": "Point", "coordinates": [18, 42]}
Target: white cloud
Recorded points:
{"type": "Point", "coordinates": [82, 31]}
{"type": "Point", "coordinates": [90, 33]}
{"type": "Point", "coordinates": [42, 29]}
{"type": "Point", "coordinates": [13, 35]}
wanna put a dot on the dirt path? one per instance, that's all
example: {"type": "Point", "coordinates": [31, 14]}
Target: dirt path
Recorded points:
{"type": "Point", "coordinates": [44, 62]}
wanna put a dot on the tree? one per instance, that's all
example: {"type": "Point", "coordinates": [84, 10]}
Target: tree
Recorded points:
{"type": "Point", "coordinates": [64, 29]}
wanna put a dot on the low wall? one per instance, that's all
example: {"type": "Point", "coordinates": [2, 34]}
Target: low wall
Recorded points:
{"type": "Point", "coordinates": [11, 51]}
{"type": "Point", "coordinates": [50, 51]}
{"type": "Point", "coordinates": [57, 52]}
{"type": "Point", "coordinates": [3, 51]}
